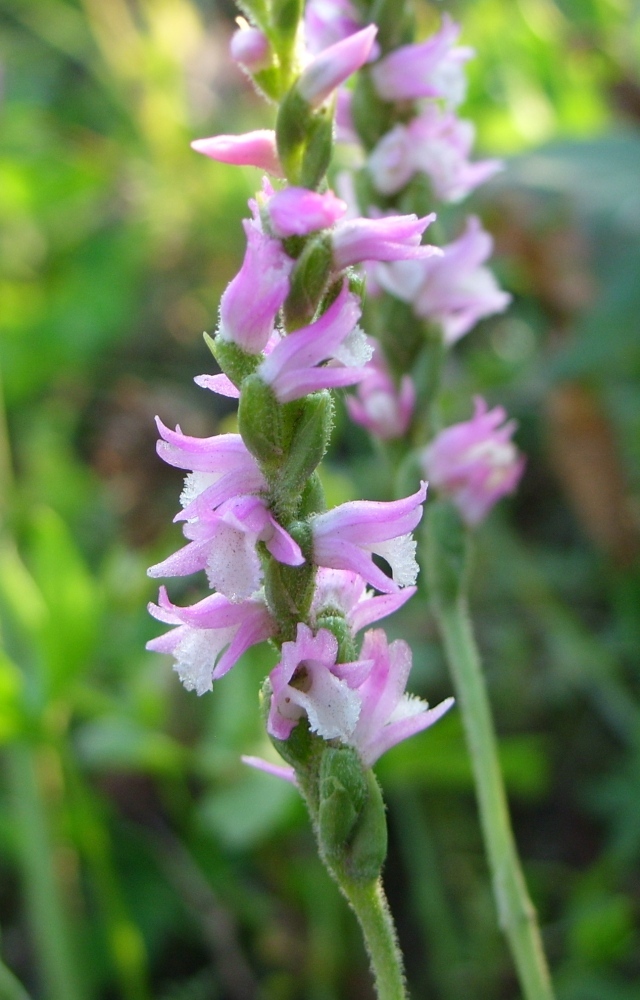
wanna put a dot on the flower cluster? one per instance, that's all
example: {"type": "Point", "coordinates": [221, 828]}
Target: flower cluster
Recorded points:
{"type": "Point", "coordinates": [419, 87]}
{"type": "Point", "coordinates": [281, 566]}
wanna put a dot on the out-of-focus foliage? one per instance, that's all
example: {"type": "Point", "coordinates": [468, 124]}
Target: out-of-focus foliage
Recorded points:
{"type": "Point", "coordinates": [139, 858]}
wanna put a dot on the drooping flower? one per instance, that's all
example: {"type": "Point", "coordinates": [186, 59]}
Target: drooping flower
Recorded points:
{"type": "Point", "coordinates": [295, 211]}
{"type": "Point", "coordinates": [344, 593]}
{"type": "Point", "coordinates": [308, 681]}
{"type": "Point", "coordinates": [436, 143]}
{"type": "Point", "coordinates": [348, 536]}
{"type": "Point", "coordinates": [293, 368]}
{"type": "Point", "coordinates": [223, 543]}
{"type": "Point", "coordinates": [252, 149]}
{"type": "Point", "coordinates": [383, 407]}
{"type": "Point", "coordinates": [210, 637]}
{"type": "Point", "coordinates": [453, 290]}
{"type": "Point", "coordinates": [334, 65]}
{"type": "Point", "coordinates": [221, 467]}
{"type": "Point", "coordinates": [391, 237]}
{"type": "Point", "coordinates": [433, 68]}
{"type": "Point", "coordinates": [388, 715]}
{"type": "Point", "coordinates": [252, 300]}
{"type": "Point", "coordinates": [475, 462]}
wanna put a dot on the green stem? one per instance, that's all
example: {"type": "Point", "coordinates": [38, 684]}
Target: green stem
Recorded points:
{"type": "Point", "coordinates": [516, 913]}
{"type": "Point", "coordinates": [47, 914]}
{"type": "Point", "coordinates": [370, 906]}
{"type": "Point", "coordinates": [10, 987]}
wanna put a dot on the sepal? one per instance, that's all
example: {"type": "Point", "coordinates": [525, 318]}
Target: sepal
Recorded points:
{"type": "Point", "coordinates": [308, 281]}
{"type": "Point", "coordinates": [313, 499]}
{"type": "Point", "coordinates": [292, 126]}
{"type": "Point", "coordinates": [368, 848]}
{"type": "Point", "coordinates": [289, 589]}
{"type": "Point", "coordinates": [309, 443]}
{"type": "Point", "coordinates": [234, 362]}
{"type": "Point", "coordinates": [342, 795]}
{"type": "Point", "coordinates": [260, 423]}
{"type": "Point", "coordinates": [352, 825]}
{"type": "Point", "coordinates": [318, 148]}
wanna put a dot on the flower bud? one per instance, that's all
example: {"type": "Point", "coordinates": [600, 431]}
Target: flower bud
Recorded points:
{"type": "Point", "coordinates": [250, 47]}
{"type": "Point", "coordinates": [253, 149]}
{"type": "Point", "coordinates": [335, 65]}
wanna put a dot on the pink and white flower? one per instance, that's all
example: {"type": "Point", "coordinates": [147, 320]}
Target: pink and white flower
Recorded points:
{"type": "Point", "coordinates": [252, 300]}
{"type": "Point", "coordinates": [327, 22]}
{"type": "Point", "coordinates": [252, 149]}
{"type": "Point", "coordinates": [391, 237]}
{"type": "Point", "coordinates": [475, 462]}
{"type": "Point", "coordinates": [382, 407]}
{"type": "Point", "coordinates": [308, 681]}
{"type": "Point", "coordinates": [210, 637]}
{"type": "Point", "coordinates": [453, 290]}
{"type": "Point", "coordinates": [436, 143]}
{"type": "Point", "coordinates": [221, 467]}
{"type": "Point", "coordinates": [294, 367]}
{"type": "Point", "coordinates": [387, 714]}
{"type": "Point", "coordinates": [295, 211]}
{"type": "Point", "coordinates": [223, 543]}
{"type": "Point", "coordinates": [348, 536]}
{"type": "Point", "coordinates": [426, 69]}
{"type": "Point", "coordinates": [334, 65]}
{"type": "Point", "coordinates": [339, 592]}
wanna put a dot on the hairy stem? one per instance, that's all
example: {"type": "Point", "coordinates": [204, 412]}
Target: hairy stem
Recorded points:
{"type": "Point", "coordinates": [370, 906]}
{"type": "Point", "coordinates": [516, 912]}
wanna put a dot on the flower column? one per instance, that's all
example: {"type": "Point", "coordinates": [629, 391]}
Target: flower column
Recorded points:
{"type": "Point", "coordinates": [281, 566]}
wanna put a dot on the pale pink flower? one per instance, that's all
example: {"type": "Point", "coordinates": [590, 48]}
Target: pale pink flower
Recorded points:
{"type": "Point", "coordinates": [475, 462]}
{"type": "Point", "coordinates": [308, 681]}
{"type": "Point", "coordinates": [391, 237]}
{"type": "Point", "coordinates": [221, 467]}
{"type": "Point", "coordinates": [436, 143]}
{"type": "Point", "coordinates": [295, 211]}
{"type": "Point", "coordinates": [252, 149]}
{"type": "Point", "coordinates": [340, 592]}
{"type": "Point", "coordinates": [441, 145]}
{"type": "Point", "coordinates": [294, 367]}
{"type": "Point", "coordinates": [387, 714]}
{"type": "Point", "coordinates": [434, 68]}
{"type": "Point", "coordinates": [334, 65]}
{"type": "Point", "coordinates": [453, 290]}
{"type": "Point", "coordinates": [250, 48]}
{"type": "Point", "coordinates": [327, 22]}
{"type": "Point", "coordinates": [223, 543]}
{"type": "Point", "coordinates": [252, 300]}
{"type": "Point", "coordinates": [391, 163]}
{"type": "Point", "coordinates": [210, 637]}
{"type": "Point", "coordinates": [383, 407]}
{"type": "Point", "coordinates": [348, 536]}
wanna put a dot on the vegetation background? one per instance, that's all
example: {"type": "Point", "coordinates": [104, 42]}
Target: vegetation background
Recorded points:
{"type": "Point", "coordinates": [138, 858]}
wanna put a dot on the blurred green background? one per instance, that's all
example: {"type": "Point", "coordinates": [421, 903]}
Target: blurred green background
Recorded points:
{"type": "Point", "coordinates": [138, 858]}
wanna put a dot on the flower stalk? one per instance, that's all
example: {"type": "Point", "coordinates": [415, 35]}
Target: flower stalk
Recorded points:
{"type": "Point", "coordinates": [447, 561]}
